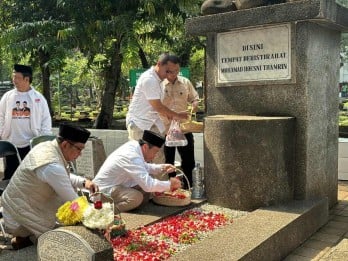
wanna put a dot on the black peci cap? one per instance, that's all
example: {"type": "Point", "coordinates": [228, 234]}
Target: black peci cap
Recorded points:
{"type": "Point", "coordinates": [73, 133]}
{"type": "Point", "coordinates": [153, 138]}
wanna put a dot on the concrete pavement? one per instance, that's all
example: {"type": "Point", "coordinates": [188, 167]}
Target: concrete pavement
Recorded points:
{"type": "Point", "coordinates": [331, 241]}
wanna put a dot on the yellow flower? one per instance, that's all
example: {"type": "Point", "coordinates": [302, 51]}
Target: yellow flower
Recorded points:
{"type": "Point", "coordinates": [71, 213]}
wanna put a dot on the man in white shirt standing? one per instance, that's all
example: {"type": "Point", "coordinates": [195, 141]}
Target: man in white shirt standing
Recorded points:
{"type": "Point", "coordinates": [24, 114]}
{"type": "Point", "coordinates": [146, 105]}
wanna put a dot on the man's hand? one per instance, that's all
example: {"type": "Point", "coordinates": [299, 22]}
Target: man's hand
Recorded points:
{"type": "Point", "coordinates": [167, 168]}
{"type": "Point", "coordinates": [181, 116]}
{"type": "Point", "coordinates": [195, 106]}
{"type": "Point", "coordinates": [175, 184]}
{"type": "Point", "coordinates": [91, 186]}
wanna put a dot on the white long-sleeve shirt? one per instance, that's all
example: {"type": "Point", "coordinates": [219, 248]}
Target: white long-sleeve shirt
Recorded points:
{"type": "Point", "coordinates": [40, 121]}
{"type": "Point", "coordinates": [63, 185]}
{"type": "Point", "coordinates": [126, 166]}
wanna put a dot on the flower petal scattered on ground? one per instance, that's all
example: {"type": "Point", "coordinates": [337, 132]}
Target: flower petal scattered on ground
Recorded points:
{"type": "Point", "coordinates": [163, 239]}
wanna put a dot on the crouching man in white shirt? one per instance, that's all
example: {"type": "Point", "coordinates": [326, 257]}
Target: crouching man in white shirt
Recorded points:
{"type": "Point", "coordinates": [125, 174]}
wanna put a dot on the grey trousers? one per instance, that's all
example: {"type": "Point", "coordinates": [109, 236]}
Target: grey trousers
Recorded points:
{"type": "Point", "coordinates": [126, 199]}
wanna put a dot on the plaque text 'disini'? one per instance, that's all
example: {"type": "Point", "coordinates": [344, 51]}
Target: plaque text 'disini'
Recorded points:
{"type": "Point", "coordinates": [254, 54]}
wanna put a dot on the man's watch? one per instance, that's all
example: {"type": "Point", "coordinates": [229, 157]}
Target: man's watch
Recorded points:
{"type": "Point", "coordinates": [84, 184]}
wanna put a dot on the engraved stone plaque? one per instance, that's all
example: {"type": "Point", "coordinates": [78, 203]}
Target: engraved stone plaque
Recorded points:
{"type": "Point", "coordinates": [254, 54]}
{"type": "Point", "coordinates": [73, 243]}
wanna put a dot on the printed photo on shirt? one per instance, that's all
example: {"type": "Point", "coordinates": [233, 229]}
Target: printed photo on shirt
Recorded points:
{"type": "Point", "coordinates": [21, 110]}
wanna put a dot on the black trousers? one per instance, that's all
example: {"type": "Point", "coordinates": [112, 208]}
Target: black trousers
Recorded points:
{"type": "Point", "coordinates": [11, 162]}
{"type": "Point", "coordinates": [187, 154]}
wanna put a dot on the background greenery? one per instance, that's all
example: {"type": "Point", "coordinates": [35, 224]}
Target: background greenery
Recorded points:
{"type": "Point", "coordinates": [82, 51]}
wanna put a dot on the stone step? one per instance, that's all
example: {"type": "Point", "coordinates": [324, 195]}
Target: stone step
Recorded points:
{"type": "Point", "coordinates": [265, 234]}
{"type": "Point", "coordinates": [269, 233]}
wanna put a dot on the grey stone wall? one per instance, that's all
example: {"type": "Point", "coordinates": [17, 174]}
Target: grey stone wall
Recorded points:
{"type": "Point", "coordinates": [250, 160]}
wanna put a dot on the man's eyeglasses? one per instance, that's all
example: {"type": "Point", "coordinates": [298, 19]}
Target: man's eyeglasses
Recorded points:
{"type": "Point", "coordinates": [172, 72]}
{"type": "Point", "coordinates": [76, 147]}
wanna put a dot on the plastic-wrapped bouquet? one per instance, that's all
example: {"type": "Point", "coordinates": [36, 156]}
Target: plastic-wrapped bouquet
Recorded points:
{"type": "Point", "coordinates": [175, 137]}
{"type": "Point", "coordinates": [71, 212]}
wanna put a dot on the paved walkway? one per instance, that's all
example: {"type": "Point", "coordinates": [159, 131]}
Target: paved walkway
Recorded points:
{"type": "Point", "coordinates": [331, 241]}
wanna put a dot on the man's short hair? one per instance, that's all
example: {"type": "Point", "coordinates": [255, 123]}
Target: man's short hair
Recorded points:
{"type": "Point", "coordinates": [25, 70]}
{"type": "Point", "coordinates": [167, 57]}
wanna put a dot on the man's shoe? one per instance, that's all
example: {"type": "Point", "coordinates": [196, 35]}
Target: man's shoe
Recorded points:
{"type": "Point", "coordinates": [20, 242]}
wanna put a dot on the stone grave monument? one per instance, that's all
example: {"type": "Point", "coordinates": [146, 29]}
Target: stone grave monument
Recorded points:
{"type": "Point", "coordinates": [271, 84]}
{"type": "Point", "coordinates": [271, 131]}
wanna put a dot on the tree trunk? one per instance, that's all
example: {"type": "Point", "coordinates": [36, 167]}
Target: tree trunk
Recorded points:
{"type": "Point", "coordinates": [143, 59]}
{"type": "Point", "coordinates": [112, 77]}
{"type": "Point", "coordinates": [185, 58]}
{"type": "Point", "coordinates": [45, 72]}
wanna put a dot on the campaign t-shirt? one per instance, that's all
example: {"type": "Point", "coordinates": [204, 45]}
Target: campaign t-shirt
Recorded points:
{"type": "Point", "coordinates": [20, 127]}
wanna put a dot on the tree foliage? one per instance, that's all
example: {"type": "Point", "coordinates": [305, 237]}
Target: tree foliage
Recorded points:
{"type": "Point", "coordinates": [344, 43]}
{"type": "Point", "coordinates": [118, 29]}
{"type": "Point", "coordinates": [29, 33]}
{"type": "Point", "coordinates": [44, 32]}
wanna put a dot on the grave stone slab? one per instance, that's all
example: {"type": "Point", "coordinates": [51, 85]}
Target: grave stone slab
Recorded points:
{"type": "Point", "coordinates": [93, 156]}
{"type": "Point", "coordinates": [75, 243]}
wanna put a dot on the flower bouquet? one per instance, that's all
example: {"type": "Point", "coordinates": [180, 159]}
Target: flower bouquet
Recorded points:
{"type": "Point", "coordinates": [98, 218]}
{"type": "Point", "coordinates": [101, 215]}
{"type": "Point", "coordinates": [71, 212]}
{"type": "Point", "coordinates": [191, 125]}
{"type": "Point", "coordinates": [98, 215]}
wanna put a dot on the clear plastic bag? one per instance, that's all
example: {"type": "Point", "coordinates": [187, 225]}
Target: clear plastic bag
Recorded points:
{"type": "Point", "coordinates": [175, 137]}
